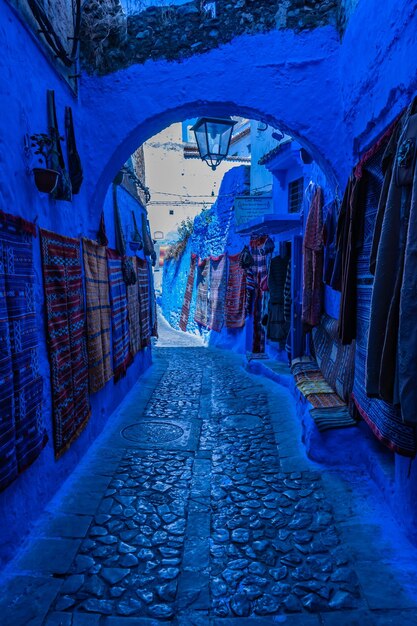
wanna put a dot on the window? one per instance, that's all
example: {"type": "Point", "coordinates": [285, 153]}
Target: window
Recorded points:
{"type": "Point", "coordinates": [295, 195]}
{"type": "Point", "coordinates": [171, 211]}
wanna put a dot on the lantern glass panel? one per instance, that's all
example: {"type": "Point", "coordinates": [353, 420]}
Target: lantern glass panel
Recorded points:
{"type": "Point", "coordinates": [201, 138]}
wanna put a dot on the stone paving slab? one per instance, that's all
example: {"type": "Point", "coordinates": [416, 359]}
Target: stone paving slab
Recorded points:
{"type": "Point", "coordinates": [288, 620]}
{"type": "Point", "coordinates": [384, 588]}
{"type": "Point", "coordinates": [25, 600]}
{"type": "Point", "coordinates": [75, 526]}
{"type": "Point", "coordinates": [371, 618]}
{"type": "Point", "coordinates": [85, 619]}
{"type": "Point", "coordinates": [45, 556]}
{"type": "Point", "coordinates": [131, 621]}
{"type": "Point", "coordinates": [59, 619]}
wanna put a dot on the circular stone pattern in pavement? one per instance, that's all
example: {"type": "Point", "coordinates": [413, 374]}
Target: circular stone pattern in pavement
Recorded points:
{"type": "Point", "coordinates": [152, 432]}
{"type": "Point", "coordinates": [242, 420]}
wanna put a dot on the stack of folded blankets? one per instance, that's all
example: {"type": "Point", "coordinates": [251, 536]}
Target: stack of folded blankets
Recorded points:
{"type": "Point", "coordinates": [326, 382]}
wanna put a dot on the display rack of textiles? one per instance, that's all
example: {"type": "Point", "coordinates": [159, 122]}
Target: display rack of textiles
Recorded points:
{"type": "Point", "coordinates": [186, 305]}
{"type": "Point", "coordinates": [144, 301]}
{"type": "Point", "coordinates": [67, 339]}
{"type": "Point", "coordinates": [313, 258]}
{"type": "Point", "coordinates": [218, 285]}
{"type": "Point", "coordinates": [255, 277]}
{"type": "Point", "coordinates": [203, 276]}
{"type": "Point", "coordinates": [98, 314]}
{"type": "Point", "coordinates": [383, 418]}
{"type": "Point", "coordinates": [235, 301]}
{"type": "Point", "coordinates": [134, 314]}
{"type": "Point", "coordinates": [22, 431]}
{"type": "Point", "coordinates": [122, 357]}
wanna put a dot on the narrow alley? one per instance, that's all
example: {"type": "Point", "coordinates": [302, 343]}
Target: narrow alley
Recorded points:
{"type": "Point", "coordinates": [208, 313]}
{"type": "Point", "coordinates": [198, 505]}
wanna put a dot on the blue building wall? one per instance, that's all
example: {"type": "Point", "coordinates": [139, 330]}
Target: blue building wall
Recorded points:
{"type": "Point", "coordinates": [26, 75]}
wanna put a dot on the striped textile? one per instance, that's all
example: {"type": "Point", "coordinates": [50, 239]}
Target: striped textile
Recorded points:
{"type": "Point", "coordinates": [300, 367]}
{"type": "Point", "coordinates": [22, 431]}
{"type": "Point", "coordinates": [122, 356]}
{"type": "Point", "coordinates": [325, 400]}
{"type": "Point", "coordinates": [186, 305]}
{"type": "Point", "coordinates": [98, 314]}
{"type": "Point", "coordinates": [313, 262]}
{"type": "Point", "coordinates": [314, 386]}
{"type": "Point", "coordinates": [201, 309]}
{"type": "Point", "coordinates": [144, 302]}
{"type": "Point", "coordinates": [260, 272]}
{"type": "Point", "coordinates": [384, 419]}
{"type": "Point", "coordinates": [336, 361]}
{"type": "Point", "coordinates": [235, 294]}
{"type": "Point", "coordinates": [218, 285]}
{"type": "Point", "coordinates": [334, 417]}
{"type": "Point", "coordinates": [308, 376]}
{"type": "Point", "coordinates": [67, 340]}
{"type": "Point", "coordinates": [134, 315]}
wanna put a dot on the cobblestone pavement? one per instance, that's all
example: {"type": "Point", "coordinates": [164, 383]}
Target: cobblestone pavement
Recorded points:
{"type": "Point", "coordinates": [198, 507]}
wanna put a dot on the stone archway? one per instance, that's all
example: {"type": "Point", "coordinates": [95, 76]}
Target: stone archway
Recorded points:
{"type": "Point", "coordinates": [297, 91]}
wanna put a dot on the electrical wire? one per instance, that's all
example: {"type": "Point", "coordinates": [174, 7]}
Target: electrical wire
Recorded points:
{"type": "Point", "coordinates": [222, 195]}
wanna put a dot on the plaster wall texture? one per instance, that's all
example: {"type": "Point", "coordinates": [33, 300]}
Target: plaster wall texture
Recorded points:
{"type": "Point", "coordinates": [275, 77]}
{"type": "Point", "coordinates": [26, 77]}
{"type": "Point", "coordinates": [377, 63]}
{"type": "Point", "coordinates": [262, 142]}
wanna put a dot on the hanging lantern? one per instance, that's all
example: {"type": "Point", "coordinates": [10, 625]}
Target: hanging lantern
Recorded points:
{"type": "Point", "coordinates": [213, 135]}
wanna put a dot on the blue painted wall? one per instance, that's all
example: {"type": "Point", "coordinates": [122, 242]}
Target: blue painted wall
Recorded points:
{"type": "Point", "coordinates": [26, 75]}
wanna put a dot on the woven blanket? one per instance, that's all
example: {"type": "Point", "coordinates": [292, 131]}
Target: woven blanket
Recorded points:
{"type": "Point", "coordinates": [122, 356]}
{"type": "Point", "coordinates": [335, 417]}
{"type": "Point", "coordinates": [314, 386]}
{"type": "Point", "coordinates": [323, 400]}
{"type": "Point", "coordinates": [235, 294]}
{"type": "Point", "coordinates": [185, 311]}
{"type": "Point", "coordinates": [308, 376]}
{"type": "Point", "coordinates": [303, 368]}
{"type": "Point", "coordinates": [384, 419]}
{"type": "Point", "coordinates": [22, 431]}
{"type": "Point", "coordinates": [336, 361]}
{"type": "Point", "coordinates": [218, 285]}
{"type": "Point", "coordinates": [313, 262]}
{"type": "Point", "coordinates": [260, 273]}
{"type": "Point", "coordinates": [134, 315]}
{"type": "Point", "coordinates": [98, 314]}
{"type": "Point", "coordinates": [67, 341]}
{"type": "Point", "coordinates": [303, 365]}
{"type": "Point", "coordinates": [201, 309]}
{"type": "Point", "coordinates": [144, 302]}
